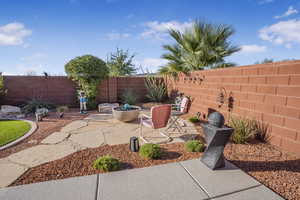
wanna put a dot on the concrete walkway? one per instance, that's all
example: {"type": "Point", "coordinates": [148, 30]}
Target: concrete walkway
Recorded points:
{"type": "Point", "coordinates": [94, 131]}
{"type": "Point", "coordinates": [190, 180]}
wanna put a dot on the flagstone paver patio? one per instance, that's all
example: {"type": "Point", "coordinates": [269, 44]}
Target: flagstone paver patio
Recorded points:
{"type": "Point", "coordinates": [190, 180]}
{"type": "Point", "coordinates": [94, 131]}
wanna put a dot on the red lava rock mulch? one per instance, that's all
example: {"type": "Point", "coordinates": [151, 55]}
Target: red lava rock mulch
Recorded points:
{"type": "Point", "coordinates": [49, 125]}
{"type": "Point", "coordinates": [80, 163]}
{"type": "Point", "coordinates": [277, 170]}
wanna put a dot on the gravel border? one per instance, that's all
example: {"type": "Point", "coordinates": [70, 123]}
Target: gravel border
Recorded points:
{"type": "Point", "coordinates": [32, 130]}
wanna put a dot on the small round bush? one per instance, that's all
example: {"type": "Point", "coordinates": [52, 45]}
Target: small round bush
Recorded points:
{"type": "Point", "coordinates": [194, 119]}
{"type": "Point", "coordinates": [194, 146]}
{"type": "Point", "coordinates": [150, 151]}
{"type": "Point", "coordinates": [107, 163]}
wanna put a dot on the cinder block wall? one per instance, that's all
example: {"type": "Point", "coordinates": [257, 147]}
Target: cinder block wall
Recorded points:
{"type": "Point", "coordinates": [266, 92]}
{"type": "Point", "coordinates": [62, 91]}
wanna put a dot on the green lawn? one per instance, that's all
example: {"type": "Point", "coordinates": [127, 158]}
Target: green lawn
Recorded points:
{"type": "Point", "coordinates": [11, 130]}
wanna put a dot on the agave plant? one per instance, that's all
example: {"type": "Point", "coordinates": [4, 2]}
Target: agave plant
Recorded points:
{"type": "Point", "coordinates": [202, 45]}
{"type": "Point", "coordinates": [156, 87]}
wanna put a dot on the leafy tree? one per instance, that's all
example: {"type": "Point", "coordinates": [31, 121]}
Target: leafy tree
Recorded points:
{"type": "Point", "coordinates": [265, 61]}
{"type": "Point", "coordinates": [120, 63]}
{"type": "Point", "coordinates": [202, 45]}
{"type": "Point", "coordinates": [3, 91]}
{"type": "Point", "coordinates": [87, 71]}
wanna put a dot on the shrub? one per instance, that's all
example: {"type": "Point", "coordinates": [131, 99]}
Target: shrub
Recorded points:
{"type": "Point", "coordinates": [244, 130]}
{"type": "Point", "coordinates": [61, 109]}
{"type": "Point", "coordinates": [261, 131]}
{"type": "Point", "coordinates": [107, 163]}
{"type": "Point", "coordinates": [156, 88]}
{"type": "Point", "coordinates": [120, 63]}
{"type": "Point", "coordinates": [194, 146]}
{"type": "Point", "coordinates": [150, 151]}
{"type": "Point", "coordinates": [88, 71]}
{"type": "Point", "coordinates": [194, 119]}
{"type": "Point", "coordinates": [3, 91]}
{"type": "Point", "coordinates": [34, 104]}
{"type": "Point", "coordinates": [129, 97]}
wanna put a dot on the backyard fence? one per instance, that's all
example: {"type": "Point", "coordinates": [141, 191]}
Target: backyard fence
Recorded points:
{"type": "Point", "coordinates": [266, 92]}
{"type": "Point", "coordinates": [62, 91]}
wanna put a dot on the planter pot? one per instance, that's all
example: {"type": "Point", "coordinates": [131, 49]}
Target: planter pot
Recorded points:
{"type": "Point", "coordinates": [126, 115]}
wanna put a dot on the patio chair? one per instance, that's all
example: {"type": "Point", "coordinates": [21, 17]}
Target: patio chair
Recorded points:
{"type": "Point", "coordinates": [179, 110]}
{"type": "Point", "coordinates": [159, 118]}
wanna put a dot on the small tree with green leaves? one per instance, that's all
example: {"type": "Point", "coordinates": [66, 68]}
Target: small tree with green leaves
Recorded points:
{"type": "Point", "coordinates": [3, 91]}
{"type": "Point", "coordinates": [88, 71]}
{"type": "Point", "coordinates": [120, 63]}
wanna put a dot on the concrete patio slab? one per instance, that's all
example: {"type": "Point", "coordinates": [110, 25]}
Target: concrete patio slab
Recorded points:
{"type": "Point", "coordinates": [78, 188]}
{"type": "Point", "coordinates": [9, 172]}
{"type": "Point", "coordinates": [260, 192]}
{"type": "Point", "coordinates": [90, 139]}
{"type": "Point", "coordinates": [74, 126]}
{"type": "Point", "coordinates": [219, 182]}
{"type": "Point", "coordinates": [40, 154]}
{"type": "Point", "coordinates": [165, 182]}
{"type": "Point", "coordinates": [55, 138]}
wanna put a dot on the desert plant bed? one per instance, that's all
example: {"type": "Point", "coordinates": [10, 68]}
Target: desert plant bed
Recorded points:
{"type": "Point", "coordinates": [277, 170]}
{"type": "Point", "coordinates": [81, 163]}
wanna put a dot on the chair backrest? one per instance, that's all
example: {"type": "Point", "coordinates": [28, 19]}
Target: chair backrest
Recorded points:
{"type": "Point", "coordinates": [160, 115]}
{"type": "Point", "coordinates": [184, 105]}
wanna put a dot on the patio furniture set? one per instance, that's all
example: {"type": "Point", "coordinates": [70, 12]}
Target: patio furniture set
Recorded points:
{"type": "Point", "coordinates": [161, 116]}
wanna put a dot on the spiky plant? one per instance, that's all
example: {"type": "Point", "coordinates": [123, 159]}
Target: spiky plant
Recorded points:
{"type": "Point", "coordinates": [156, 88]}
{"type": "Point", "coordinates": [202, 45]}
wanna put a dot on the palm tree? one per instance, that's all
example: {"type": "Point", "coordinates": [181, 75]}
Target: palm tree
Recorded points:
{"type": "Point", "coordinates": [202, 45]}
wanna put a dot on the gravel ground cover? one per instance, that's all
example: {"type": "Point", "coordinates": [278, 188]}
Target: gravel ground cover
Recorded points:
{"type": "Point", "coordinates": [278, 170]}
{"type": "Point", "coordinates": [80, 163]}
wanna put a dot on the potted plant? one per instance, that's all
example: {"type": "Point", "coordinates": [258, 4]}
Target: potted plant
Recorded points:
{"type": "Point", "coordinates": [61, 111]}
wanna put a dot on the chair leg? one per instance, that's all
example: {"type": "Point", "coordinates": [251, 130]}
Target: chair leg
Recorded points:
{"type": "Point", "coordinates": [141, 133]}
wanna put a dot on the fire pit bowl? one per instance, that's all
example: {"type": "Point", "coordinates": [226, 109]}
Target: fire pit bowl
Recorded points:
{"type": "Point", "coordinates": [126, 114]}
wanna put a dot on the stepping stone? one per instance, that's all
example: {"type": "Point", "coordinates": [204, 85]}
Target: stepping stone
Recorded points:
{"type": "Point", "coordinates": [89, 139]}
{"type": "Point", "coordinates": [78, 188]}
{"type": "Point", "coordinates": [221, 181]}
{"type": "Point", "coordinates": [9, 172]}
{"type": "Point", "coordinates": [74, 126]}
{"type": "Point", "coordinates": [165, 182]}
{"type": "Point", "coordinates": [55, 138]}
{"type": "Point", "coordinates": [40, 154]}
{"type": "Point", "coordinates": [261, 193]}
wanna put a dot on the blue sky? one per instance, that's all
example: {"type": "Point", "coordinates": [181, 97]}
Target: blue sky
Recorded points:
{"type": "Point", "coordinates": [37, 36]}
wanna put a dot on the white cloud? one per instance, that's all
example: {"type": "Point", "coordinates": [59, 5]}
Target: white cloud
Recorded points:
{"type": "Point", "coordinates": [284, 33]}
{"type": "Point", "coordinates": [13, 34]}
{"type": "Point", "coordinates": [117, 36]}
{"type": "Point", "coordinates": [265, 1]}
{"type": "Point", "coordinates": [289, 12]}
{"type": "Point", "coordinates": [34, 57]}
{"type": "Point", "coordinates": [253, 48]}
{"type": "Point", "coordinates": [33, 69]}
{"type": "Point", "coordinates": [151, 64]}
{"type": "Point", "coordinates": [159, 30]}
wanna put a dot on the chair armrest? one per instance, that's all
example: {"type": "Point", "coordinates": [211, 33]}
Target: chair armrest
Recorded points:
{"type": "Point", "coordinates": [145, 116]}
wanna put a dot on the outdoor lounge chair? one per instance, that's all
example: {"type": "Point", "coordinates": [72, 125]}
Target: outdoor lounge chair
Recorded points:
{"type": "Point", "coordinates": [159, 118]}
{"type": "Point", "coordinates": [179, 110]}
